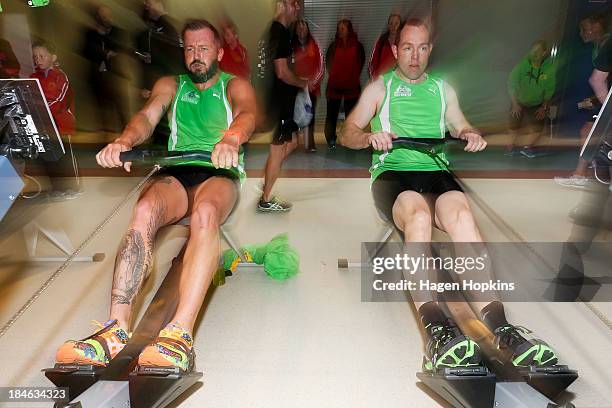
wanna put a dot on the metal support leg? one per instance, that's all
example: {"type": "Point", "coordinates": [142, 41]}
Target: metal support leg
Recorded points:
{"type": "Point", "coordinates": [383, 236]}
{"type": "Point", "coordinates": [58, 238]}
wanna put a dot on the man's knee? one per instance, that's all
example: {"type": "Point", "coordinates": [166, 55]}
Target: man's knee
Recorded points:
{"type": "Point", "coordinates": [205, 216]}
{"type": "Point", "coordinates": [410, 216]}
{"type": "Point", "coordinates": [289, 147]}
{"type": "Point", "coordinates": [417, 219]}
{"type": "Point", "coordinates": [277, 152]}
{"type": "Point", "coordinates": [293, 144]}
{"type": "Point", "coordinates": [461, 219]}
{"type": "Point", "coordinates": [143, 211]}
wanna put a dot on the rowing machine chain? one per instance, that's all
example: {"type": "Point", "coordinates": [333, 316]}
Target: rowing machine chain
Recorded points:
{"type": "Point", "coordinates": [76, 252]}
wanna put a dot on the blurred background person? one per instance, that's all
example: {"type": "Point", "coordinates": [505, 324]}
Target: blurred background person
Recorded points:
{"type": "Point", "coordinates": [344, 58]}
{"type": "Point", "coordinates": [382, 59]}
{"type": "Point", "coordinates": [159, 49]}
{"type": "Point", "coordinates": [9, 65]}
{"type": "Point", "coordinates": [235, 58]}
{"type": "Point", "coordinates": [308, 63]}
{"type": "Point", "coordinates": [159, 46]}
{"type": "Point", "coordinates": [103, 43]}
{"type": "Point", "coordinates": [60, 98]}
{"type": "Point", "coordinates": [531, 86]}
{"type": "Point", "coordinates": [592, 30]}
{"type": "Point", "coordinates": [280, 87]}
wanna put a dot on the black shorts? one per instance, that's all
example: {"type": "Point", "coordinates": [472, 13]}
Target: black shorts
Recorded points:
{"type": "Point", "coordinates": [390, 184]}
{"type": "Point", "coordinates": [283, 131]}
{"type": "Point", "coordinates": [191, 176]}
{"type": "Point", "coordinates": [280, 111]}
{"type": "Point", "coordinates": [586, 115]}
{"type": "Point", "coordinates": [527, 118]}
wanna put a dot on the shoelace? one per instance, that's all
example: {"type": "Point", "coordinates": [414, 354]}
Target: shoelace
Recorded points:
{"type": "Point", "coordinates": [101, 326]}
{"type": "Point", "coordinates": [276, 202]}
{"type": "Point", "coordinates": [107, 325]}
{"type": "Point", "coordinates": [508, 335]}
{"type": "Point", "coordinates": [441, 335]}
{"type": "Point", "coordinates": [176, 331]}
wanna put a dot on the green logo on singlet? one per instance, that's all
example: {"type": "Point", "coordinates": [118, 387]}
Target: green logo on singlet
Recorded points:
{"type": "Point", "coordinates": [403, 90]}
{"type": "Point", "coordinates": [191, 97]}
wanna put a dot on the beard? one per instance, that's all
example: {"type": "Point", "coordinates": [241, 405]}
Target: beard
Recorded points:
{"type": "Point", "coordinates": [199, 77]}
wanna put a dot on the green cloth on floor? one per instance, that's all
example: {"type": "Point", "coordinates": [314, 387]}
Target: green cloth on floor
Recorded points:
{"type": "Point", "coordinates": [279, 259]}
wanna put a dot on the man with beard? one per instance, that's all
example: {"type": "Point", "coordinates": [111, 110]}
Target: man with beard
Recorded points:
{"type": "Point", "coordinates": [417, 192]}
{"type": "Point", "coordinates": [209, 110]}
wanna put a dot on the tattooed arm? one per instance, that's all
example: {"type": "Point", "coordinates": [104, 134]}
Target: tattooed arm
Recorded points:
{"type": "Point", "coordinates": [141, 126]}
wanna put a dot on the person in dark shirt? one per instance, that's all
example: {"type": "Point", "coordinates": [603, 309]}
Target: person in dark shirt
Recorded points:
{"type": "Point", "coordinates": [9, 65]}
{"type": "Point", "coordinates": [592, 30]}
{"type": "Point", "coordinates": [159, 46]}
{"type": "Point", "coordinates": [159, 49]}
{"type": "Point", "coordinates": [602, 65]}
{"type": "Point", "coordinates": [103, 45]}
{"type": "Point", "coordinates": [281, 89]}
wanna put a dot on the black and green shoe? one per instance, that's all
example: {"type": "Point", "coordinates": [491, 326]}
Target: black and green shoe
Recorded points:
{"type": "Point", "coordinates": [525, 352]}
{"type": "Point", "coordinates": [448, 348]}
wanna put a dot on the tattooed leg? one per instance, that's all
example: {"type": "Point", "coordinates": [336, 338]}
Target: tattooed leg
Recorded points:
{"type": "Point", "coordinates": [131, 267]}
{"type": "Point", "coordinates": [135, 257]}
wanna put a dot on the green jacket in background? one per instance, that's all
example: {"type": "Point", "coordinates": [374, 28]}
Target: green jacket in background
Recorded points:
{"type": "Point", "coordinates": [532, 86]}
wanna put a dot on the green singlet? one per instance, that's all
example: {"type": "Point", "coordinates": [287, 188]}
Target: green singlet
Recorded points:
{"type": "Point", "coordinates": [198, 118]}
{"type": "Point", "coordinates": [412, 111]}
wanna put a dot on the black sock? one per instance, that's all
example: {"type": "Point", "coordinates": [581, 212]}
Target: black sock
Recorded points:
{"type": "Point", "coordinates": [431, 315]}
{"type": "Point", "coordinates": [493, 315]}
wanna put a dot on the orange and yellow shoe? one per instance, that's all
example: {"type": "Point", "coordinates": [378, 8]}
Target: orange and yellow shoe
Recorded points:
{"type": "Point", "coordinates": [97, 349]}
{"type": "Point", "coordinates": [173, 347]}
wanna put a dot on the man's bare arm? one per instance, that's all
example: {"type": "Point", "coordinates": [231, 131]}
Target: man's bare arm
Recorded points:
{"type": "Point", "coordinates": [455, 120]}
{"type": "Point", "coordinates": [353, 135]}
{"type": "Point", "coordinates": [599, 83]}
{"type": "Point", "coordinates": [458, 125]}
{"type": "Point", "coordinates": [241, 97]}
{"type": "Point", "coordinates": [281, 68]}
{"type": "Point", "coordinates": [141, 125]}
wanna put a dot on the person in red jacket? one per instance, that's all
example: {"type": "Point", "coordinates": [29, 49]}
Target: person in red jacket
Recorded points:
{"type": "Point", "coordinates": [308, 64]}
{"type": "Point", "coordinates": [55, 85]}
{"type": "Point", "coordinates": [382, 59]}
{"type": "Point", "coordinates": [60, 98]}
{"type": "Point", "coordinates": [345, 58]}
{"type": "Point", "coordinates": [235, 58]}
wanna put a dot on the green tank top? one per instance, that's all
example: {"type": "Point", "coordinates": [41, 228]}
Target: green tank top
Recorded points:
{"type": "Point", "coordinates": [198, 118]}
{"type": "Point", "coordinates": [413, 111]}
